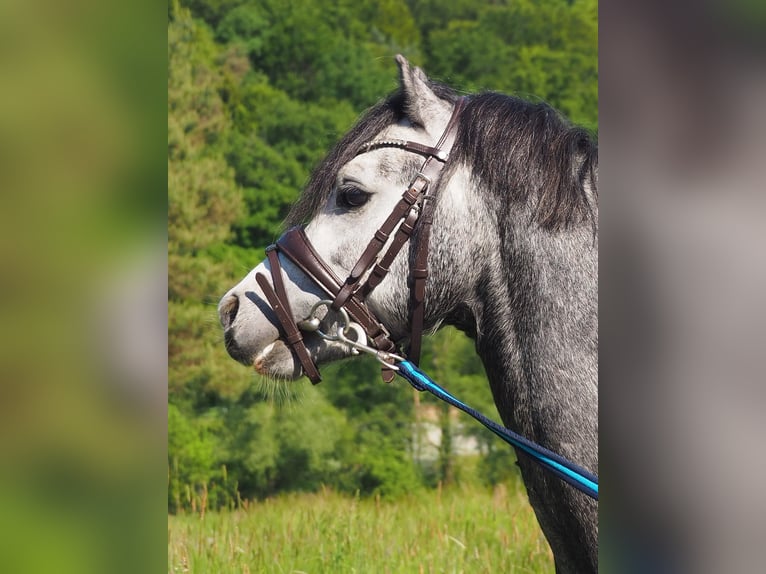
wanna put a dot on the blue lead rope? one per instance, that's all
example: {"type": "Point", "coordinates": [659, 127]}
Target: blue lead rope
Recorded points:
{"type": "Point", "coordinates": [578, 477]}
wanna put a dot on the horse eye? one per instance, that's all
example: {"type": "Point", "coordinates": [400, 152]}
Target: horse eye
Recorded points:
{"type": "Point", "coordinates": [350, 197]}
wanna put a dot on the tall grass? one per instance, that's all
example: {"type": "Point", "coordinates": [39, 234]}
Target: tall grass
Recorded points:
{"type": "Point", "coordinates": [458, 530]}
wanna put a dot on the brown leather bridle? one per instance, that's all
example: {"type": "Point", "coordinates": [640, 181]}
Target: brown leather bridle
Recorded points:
{"type": "Point", "coordinates": [416, 206]}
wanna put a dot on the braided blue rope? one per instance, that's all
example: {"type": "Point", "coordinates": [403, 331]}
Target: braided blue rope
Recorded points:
{"type": "Point", "coordinates": [569, 472]}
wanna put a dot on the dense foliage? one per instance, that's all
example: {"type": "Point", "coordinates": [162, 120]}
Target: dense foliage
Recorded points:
{"type": "Point", "coordinates": [258, 91]}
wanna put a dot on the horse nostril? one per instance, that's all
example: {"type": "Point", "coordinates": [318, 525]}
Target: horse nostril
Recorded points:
{"type": "Point", "coordinates": [227, 311]}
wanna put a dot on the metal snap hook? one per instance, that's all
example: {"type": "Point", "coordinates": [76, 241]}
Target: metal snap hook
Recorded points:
{"type": "Point", "coordinates": [348, 332]}
{"type": "Point", "coordinates": [357, 344]}
{"type": "Point", "coordinates": [360, 337]}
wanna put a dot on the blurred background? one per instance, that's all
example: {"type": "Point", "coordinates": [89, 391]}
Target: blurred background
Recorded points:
{"type": "Point", "coordinates": [83, 252]}
{"type": "Point", "coordinates": [681, 284]}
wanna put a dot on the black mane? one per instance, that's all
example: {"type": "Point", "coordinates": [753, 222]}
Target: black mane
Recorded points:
{"type": "Point", "coordinates": [520, 150]}
{"type": "Point", "coordinates": [527, 151]}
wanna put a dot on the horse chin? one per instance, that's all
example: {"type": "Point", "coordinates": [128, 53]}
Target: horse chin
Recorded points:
{"type": "Point", "coordinates": [276, 361]}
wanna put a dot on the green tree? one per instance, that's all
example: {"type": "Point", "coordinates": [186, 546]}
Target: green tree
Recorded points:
{"type": "Point", "coordinates": [276, 143]}
{"type": "Point", "coordinates": [203, 198]}
{"type": "Point", "coordinates": [376, 449]}
{"type": "Point", "coordinates": [451, 360]}
{"type": "Point", "coordinates": [544, 49]}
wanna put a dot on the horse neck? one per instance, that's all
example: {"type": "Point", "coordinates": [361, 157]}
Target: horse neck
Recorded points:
{"type": "Point", "coordinates": [534, 315]}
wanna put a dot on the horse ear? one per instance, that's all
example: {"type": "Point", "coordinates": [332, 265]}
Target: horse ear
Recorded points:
{"type": "Point", "coordinates": [422, 105]}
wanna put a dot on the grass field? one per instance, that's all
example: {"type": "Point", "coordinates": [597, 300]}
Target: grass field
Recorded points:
{"type": "Point", "coordinates": [460, 530]}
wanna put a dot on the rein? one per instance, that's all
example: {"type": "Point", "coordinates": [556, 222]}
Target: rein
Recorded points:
{"type": "Point", "coordinates": [348, 297]}
{"type": "Point", "coordinates": [567, 471]}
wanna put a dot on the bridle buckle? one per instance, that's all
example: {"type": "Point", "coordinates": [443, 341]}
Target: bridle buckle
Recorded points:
{"type": "Point", "coordinates": [427, 181]}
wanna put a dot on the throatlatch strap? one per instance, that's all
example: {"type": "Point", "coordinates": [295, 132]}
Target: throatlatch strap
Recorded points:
{"type": "Point", "coordinates": [420, 267]}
